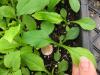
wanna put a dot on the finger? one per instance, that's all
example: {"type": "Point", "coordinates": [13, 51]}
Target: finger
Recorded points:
{"type": "Point", "coordinates": [75, 70]}
{"type": "Point", "coordinates": [86, 67]}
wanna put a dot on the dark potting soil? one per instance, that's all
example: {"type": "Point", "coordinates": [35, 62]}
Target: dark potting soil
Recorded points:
{"type": "Point", "coordinates": [59, 30]}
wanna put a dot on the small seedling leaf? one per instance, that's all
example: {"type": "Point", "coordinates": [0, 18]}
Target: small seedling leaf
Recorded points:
{"type": "Point", "coordinates": [36, 38]}
{"type": "Point", "coordinates": [52, 4]}
{"type": "Point", "coordinates": [7, 11]}
{"type": "Point", "coordinates": [33, 61]}
{"type": "Point", "coordinates": [25, 71]}
{"type": "Point", "coordinates": [26, 49]}
{"type": "Point", "coordinates": [77, 52]}
{"type": "Point", "coordinates": [52, 17]}
{"type": "Point", "coordinates": [29, 22]}
{"type": "Point", "coordinates": [3, 71]}
{"type": "Point", "coordinates": [17, 73]}
{"type": "Point", "coordinates": [57, 56]}
{"type": "Point", "coordinates": [12, 60]}
{"type": "Point", "coordinates": [63, 13]}
{"type": "Point", "coordinates": [30, 6]}
{"type": "Point", "coordinates": [62, 66]}
{"type": "Point", "coordinates": [11, 33]}
{"type": "Point", "coordinates": [47, 27]}
{"type": "Point", "coordinates": [75, 5]}
{"type": "Point", "coordinates": [38, 73]}
{"type": "Point", "coordinates": [72, 33]}
{"type": "Point", "coordinates": [5, 45]}
{"type": "Point", "coordinates": [86, 23]}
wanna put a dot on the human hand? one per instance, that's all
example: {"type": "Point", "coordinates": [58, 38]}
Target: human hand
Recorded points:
{"type": "Point", "coordinates": [85, 68]}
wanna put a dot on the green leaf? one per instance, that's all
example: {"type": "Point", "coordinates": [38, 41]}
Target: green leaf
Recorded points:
{"type": "Point", "coordinates": [1, 17]}
{"type": "Point", "coordinates": [62, 73]}
{"type": "Point", "coordinates": [86, 23]}
{"type": "Point", "coordinates": [7, 51]}
{"type": "Point", "coordinates": [12, 60]}
{"type": "Point", "coordinates": [67, 28]}
{"type": "Point", "coordinates": [77, 52]}
{"type": "Point", "coordinates": [47, 27]}
{"type": "Point", "coordinates": [33, 61]}
{"type": "Point", "coordinates": [36, 52]}
{"type": "Point", "coordinates": [5, 45]}
{"type": "Point", "coordinates": [26, 49]}
{"type": "Point", "coordinates": [72, 33]}
{"type": "Point", "coordinates": [11, 33]}
{"type": "Point", "coordinates": [63, 13]}
{"type": "Point", "coordinates": [3, 1]}
{"type": "Point", "coordinates": [1, 61]}
{"type": "Point", "coordinates": [63, 66]}
{"type": "Point", "coordinates": [57, 56]}
{"type": "Point", "coordinates": [13, 23]}
{"type": "Point", "coordinates": [36, 38]}
{"type": "Point", "coordinates": [75, 5]}
{"type": "Point", "coordinates": [17, 73]}
{"type": "Point", "coordinates": [52, 4]}
{"type": "Point", "coordinates": [25, 71]}
{"type": "Point", "coordinates": [30, 6]}
{"type": "Point", "coordinates": [2, 24]}
{"type": "Point", "coordinates": [7, 11]}
{"type": "Point", "coordinates": [3, 71]}
{"type": "Point", "coordinates": [38, 73]}
{"type": "Point", "coordinates": [29, 22]}
{"type": "Point", "coordinates": [52, 17]}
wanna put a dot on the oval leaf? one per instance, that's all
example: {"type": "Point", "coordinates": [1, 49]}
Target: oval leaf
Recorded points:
{"type": "Point", "coordinates": [86, 23]}
{"type": "Point", "coordinates": [47, 27]}
{"type": "Point", "coordinates": [3, 24]}
{"type": "Point", "coordinates": [72, 33]}
{"type": "Point", "coordinates": [52, 4]}
{"type": "Point", "coordinates": [11, 33]}
{"type": "Point", "coordinates": [77, 52]}
{"type": "Point", "coordinates": [5, 45]}
{"type": "Point", "coordinates": [29, 22]}
{"type": "Point", "coordinates": [7, 11]}
{"type": "Point", "coordinates": [75, 5]}
{"type": "Point", "coordinates": [36, 38]}
{"type": "Point", "coordinates": [33, 61]}
{"type": "Point", "coordinates": [48, 16]}
{"type": "Point", "coordinates": [63, 66]}
{"type": "Point", "coordinates": [26, 49]}
{"type": "Point", "coordinates": [30, 6]}
{"type": "Point", "coordinates": [12, 60]}
{"type": "Point", "coordinates": [38, 73]}
{"type": "Point", "coordinates": [25, 71]}
{"type": "Point", "coordinates": [17, 73]}
{"type": "Point", "coordinates": [3, 71]}
{"type": "Point", "coordinates": [57, 56]}
{"type": "Point", "coordinates": [63, 13]}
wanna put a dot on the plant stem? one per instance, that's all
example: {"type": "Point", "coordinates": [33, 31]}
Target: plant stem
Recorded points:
{"type": "Point", "coordinates": [47, 72]}
{"type": "Point", "coordinates": [61, 45]}
{"type": "Point", "coordinates": [53, 71]}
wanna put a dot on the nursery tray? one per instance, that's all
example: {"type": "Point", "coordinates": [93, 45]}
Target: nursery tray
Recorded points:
{"type": "Point", "coordinates": [91, 39]}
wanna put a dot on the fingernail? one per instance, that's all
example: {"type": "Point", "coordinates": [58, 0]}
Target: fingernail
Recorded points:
{"type": "Point", "coordinates": [84, 63]}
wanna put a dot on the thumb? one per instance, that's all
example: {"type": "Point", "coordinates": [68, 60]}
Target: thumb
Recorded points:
{"type": "Point", "coordinates": [86, 67]}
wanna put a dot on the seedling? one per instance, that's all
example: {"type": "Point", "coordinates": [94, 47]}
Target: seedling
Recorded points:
{"type": "Point", "coordinates": [26, 26]}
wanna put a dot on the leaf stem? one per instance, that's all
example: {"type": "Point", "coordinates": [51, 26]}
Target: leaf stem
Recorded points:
{"type": "Point", "coordinates": [47, 72]}
{"type": "Point", "coordinates": [53, 71]}
{"type": "Point", "coordinates": [61, 45]}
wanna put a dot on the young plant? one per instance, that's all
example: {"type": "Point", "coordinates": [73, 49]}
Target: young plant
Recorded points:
{"type": "Point", "coordinates": [26, 26]}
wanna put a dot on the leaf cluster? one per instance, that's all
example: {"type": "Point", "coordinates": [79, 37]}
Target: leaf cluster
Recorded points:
{"type": "Point", "coordinates": [21, 35]}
